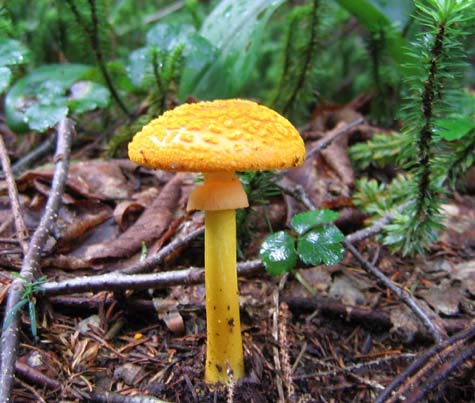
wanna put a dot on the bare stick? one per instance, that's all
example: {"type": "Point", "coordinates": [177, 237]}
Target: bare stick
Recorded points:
{"type": "Point", "coordinates": [423, 361]}
{"type": "Point", "coordinates": [120, 281]}
{"type": "Point", "coordinates": [437, 333]}
{"type": "Point", "coordinates": [34, 155]}
{"type": "Point", "coordinates": [331, 137]}
{"type": "Point", "coordinates": [153, 261]}
{"type": "Point", "coordinates": [21, 231]}
{"type": "Point", "coordinates": [29, 269]}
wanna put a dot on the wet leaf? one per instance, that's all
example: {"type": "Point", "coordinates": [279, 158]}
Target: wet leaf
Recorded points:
{"type": "Point", "coordinates": [12, 52]}
{"type": "Point", "coordinates": [87, 96]}
{"type": "Point", "coordinates": [41, 117]}
{"type": "Point", "coordinates": [322, 245]}
{"type": "Point", "coordinates": [307, 220]}
{"type": "Point", "coordinates": [235, 29]}
{"type": "Point", "coordinates": [5, 78]}
{"type": "Point", "coordinates": [40, 99]}
{"type": "Point", "coordinates": [278, 253]}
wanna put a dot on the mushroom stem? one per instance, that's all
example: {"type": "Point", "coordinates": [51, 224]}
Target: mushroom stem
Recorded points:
{"type": "Point", "coordinates": [224, 341]}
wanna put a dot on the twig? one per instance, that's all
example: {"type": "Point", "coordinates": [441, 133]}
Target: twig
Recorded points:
{"type": "Point", "coordinates": [420, 365]}
{"type": "Point", "coordinates": [21, 231]}
{"type": "Point", "coordinates": [445, 370]}
{"type": "Point", "coordinates": [437, 333]}
{"type": "Point", "coordinates": [329, 138]}
{"type": "Point", "coordinates": [34, 155]}
{"type": "Point", "coordinates": [120, 281]}
{"type": "Point", "coordinates": [9, 339]}
{"type": "Point", "coordinates": [110, 397]}
{"type": "Point", "coordinates": [153, 261]}
{"type": "Point", "coordinates": [356, 367]}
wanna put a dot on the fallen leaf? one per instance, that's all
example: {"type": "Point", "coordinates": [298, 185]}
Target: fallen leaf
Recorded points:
{"type": "Point", "coordinates": [444, 298]}
{"type": "Point", "coordinates": [150, 225]}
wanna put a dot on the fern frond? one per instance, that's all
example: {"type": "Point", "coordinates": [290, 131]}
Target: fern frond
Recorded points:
{"type": "Point", "coordinates": [381, 150]}
{"type": "Point", "coordinates": [434, 83]}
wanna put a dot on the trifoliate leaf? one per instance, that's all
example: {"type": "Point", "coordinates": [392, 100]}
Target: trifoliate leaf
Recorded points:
{"type": "Point", "coordinates": [321, 245]}
{"type": "Point", "coordinates": [278, 253]}
{"type": "Point", "coordinates": [307, 220]}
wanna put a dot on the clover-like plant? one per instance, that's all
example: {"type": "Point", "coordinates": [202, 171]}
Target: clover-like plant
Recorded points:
{"type": "Point", "coordinates": [314, 240]}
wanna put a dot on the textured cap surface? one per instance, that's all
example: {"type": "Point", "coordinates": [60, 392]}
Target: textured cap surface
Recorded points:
{"type": "Point", "coordinates": [222, 135]}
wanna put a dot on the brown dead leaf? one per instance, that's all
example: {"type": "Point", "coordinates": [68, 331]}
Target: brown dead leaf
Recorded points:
{"type": "Point", "coordinates": [150, 225]}
{"type": "Point", "coordinates": [97, 179]}
{"type": "Point", "coordinates": [444, 298]}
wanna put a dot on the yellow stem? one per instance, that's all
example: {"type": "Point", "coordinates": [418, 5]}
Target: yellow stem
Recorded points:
{"type": "Point", "coordinates": [224, 348]}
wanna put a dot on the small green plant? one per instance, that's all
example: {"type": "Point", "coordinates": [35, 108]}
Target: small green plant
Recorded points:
{"type": "Point", "coordinates": [30, 288]}
{"type": "Point", "coordinates": [315, 240]}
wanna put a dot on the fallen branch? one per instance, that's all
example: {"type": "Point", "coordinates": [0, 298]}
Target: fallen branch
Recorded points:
{"type": "Point", "coordinates": [120, 281]}
{"type": "Point", "coordinates": [437, 333]}
{"type": "Point", "coordinates": [331, 137]}
{"type": "Point", "coordinates": [21, 231]}
{"type": "Point", "coordinates": [29, 269]}
{"type": "Point", "coordinates": [34, 155]}
{"type": "Point", "coordinates": [435, 356]}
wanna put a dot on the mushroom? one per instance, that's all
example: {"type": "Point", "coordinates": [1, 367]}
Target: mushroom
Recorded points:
{"type": "Point", "coordinates": [219, 138]}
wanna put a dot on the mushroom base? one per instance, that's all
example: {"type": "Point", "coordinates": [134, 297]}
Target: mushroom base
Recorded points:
{"type": "Point", "coordinates": [224, 342]}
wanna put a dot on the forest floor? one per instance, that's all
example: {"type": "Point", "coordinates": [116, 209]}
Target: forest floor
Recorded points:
{"type": "Point", "coordinates": [346, 343]}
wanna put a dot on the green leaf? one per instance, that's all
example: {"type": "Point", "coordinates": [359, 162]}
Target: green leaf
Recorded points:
{"type": "Point", "coordinates": [278, 253]}
{"type": "Point", "coordinates": [11, 315]}
{"type": "Point", "coordinates": [41, 117]}
{"type": "Point", "coordinates": [235, 29]}
{"type": "Point", "coordinates": [454, 129]}
{"type": "Point", "coordinates": [5, 78]}
{"type": "Point", "coordinates": [87, 96]}
{"type": "Point", "coordinates": [12, 52]}
{"type": "Point", "coordinates": [199, 54]}
{"type": "Point", "coordinates": [307, 220]}
{"type": "Point", "coordinates": [322, 245]}
{"type": "Point", "coordinates": [167, 37]}
{"type": "Point", "coordinates": [46, 86]}
{"type": "Point", "coordinates": [374, 20]}
{"type": "Point", "coordinates": [32, 313]}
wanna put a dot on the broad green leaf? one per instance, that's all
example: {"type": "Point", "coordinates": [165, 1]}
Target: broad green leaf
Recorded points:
{"type": "Point", "coordinates": [307, 220]}
{"type": "Point", "coordinates": [41, 117]}
{"type": "Point", "coordinates": [5, 78]}
{"type": "Point", "coordinates": [199, 54]}
{"type": "Point", "coordinates": [87, 96]}
{"type": "Point", "coordinates": [140, 68]}
{"type": "Point", "coordinates": [167, 37]}
{"type": "Point", "coordinates": [454, 129]}
{"type": "Point", "coordinates": [12, 52]}
{"type": "Point", "coordinates": [322, 245]}
{"type": "Point", "coordinates": [235, 29]}
{"type": "Point", "coordinates": [278, 253]}
{"type": "Point", "coordinates": [47, 85]}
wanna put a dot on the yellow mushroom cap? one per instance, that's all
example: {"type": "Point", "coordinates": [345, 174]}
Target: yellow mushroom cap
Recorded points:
{"type": "Point", "coordinates": [222, 135]}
